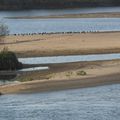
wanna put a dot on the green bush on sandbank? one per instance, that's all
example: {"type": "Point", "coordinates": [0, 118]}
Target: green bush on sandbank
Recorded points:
{"type": "Point", "coordinates": [9, 61]}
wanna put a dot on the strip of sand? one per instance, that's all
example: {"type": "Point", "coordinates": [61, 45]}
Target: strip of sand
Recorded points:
{"type": "Point", "coordinates": [98, 73]}
{"type": "Point", "coordinates": [63, 44]}
{"type": "Point", "coordinates": [85, 15]}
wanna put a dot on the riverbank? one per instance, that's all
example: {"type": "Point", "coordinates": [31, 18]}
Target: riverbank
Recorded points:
{"type": "Point", "coordinates": [63, 44]}
{"type": "Point", "coordinates": [82, 15]}
{"type": "Point", "coordinates": [68, 76]}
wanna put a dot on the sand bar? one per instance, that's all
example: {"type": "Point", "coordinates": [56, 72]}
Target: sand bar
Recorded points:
{"type": "Point", "coordinates": [63, 44]}
{"type": "Point", "coordinates": [98, 73]}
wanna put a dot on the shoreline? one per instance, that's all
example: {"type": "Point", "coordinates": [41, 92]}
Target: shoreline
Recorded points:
{"type": "Point", "coordinates": [66, 53]}
{"type": "Point", "coordinates": [82, 15]}
{"type": "Point", "coordinates": [47, 86]}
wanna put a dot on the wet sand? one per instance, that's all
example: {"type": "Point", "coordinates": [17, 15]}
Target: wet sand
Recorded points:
{"type": "Point", "coordinates": [63, 44]}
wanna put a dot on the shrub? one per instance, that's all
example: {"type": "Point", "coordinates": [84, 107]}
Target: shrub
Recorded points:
{"type": "Point", "coordinates": [68, 74]}
{"type": "Point", "coordinates": [9, 61]}
{"type": "Point", "coordinates": [81, 73]}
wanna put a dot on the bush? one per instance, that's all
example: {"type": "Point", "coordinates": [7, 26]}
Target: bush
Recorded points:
{"type": "Point", "coordinates": [9, 61]}
{"type": "Point", "coordinates": [81, 73]}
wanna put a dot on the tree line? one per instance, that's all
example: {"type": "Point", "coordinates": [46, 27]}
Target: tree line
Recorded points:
{"type": "Point", "coordinates": [54, 4]}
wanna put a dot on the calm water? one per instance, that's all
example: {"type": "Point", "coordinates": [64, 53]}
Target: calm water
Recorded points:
{"type": "Point", "coordinates": [98, 103]}
{"type": "Point", "coordinates": [61, 25]}
{"type": "Point", "coordinates": [67, 59]}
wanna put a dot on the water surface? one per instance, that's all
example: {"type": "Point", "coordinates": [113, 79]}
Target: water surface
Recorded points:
{"type": "Point", "coordinates": [98, 103]}
{"type": "Point", "coordinates": [18, 26]}
{"type": "Point", "coordinates": [68, 59]}
{"type": "Point", "coordinates": [60, 25]}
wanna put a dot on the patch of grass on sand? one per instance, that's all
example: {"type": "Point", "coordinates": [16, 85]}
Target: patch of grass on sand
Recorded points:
{"type": "Point", "coordinates": [50, 76]}
{"type": "Point", "coordinates": [68, 74]}
{"type": "Point", "coordinates": [82, 73]}
{"type": "Point", "coordinates": [26, 79]}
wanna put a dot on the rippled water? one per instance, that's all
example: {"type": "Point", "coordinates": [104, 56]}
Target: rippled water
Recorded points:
{"type": "Point", "coordinates": [63, 25]}
{"type": "Point", "coordinates": [67, 59]}
{"type": "Point", "coordinates": [60, 25]}
{"type": "Point", "coordinates": [98, 103]}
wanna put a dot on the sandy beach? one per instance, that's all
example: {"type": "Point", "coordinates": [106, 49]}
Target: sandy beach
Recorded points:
{"type": "Point", "coordinates": [63, 44]}
{"type": "Point", "coordinates": [65, 76]}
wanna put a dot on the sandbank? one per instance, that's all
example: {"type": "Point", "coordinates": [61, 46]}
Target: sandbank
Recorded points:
{"type": "Point", "coordinates": [63, 44]}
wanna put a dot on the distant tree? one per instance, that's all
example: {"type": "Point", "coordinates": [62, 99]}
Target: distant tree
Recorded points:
{"type": "Point", "coordinates": [3, 31]}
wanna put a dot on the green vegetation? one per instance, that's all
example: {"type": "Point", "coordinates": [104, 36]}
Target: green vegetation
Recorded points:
{"type": "Point", "coordinates": [54, 4]}
{"type": "Point", "coordinates": [9, 61]}
{"type": "Point", "coordinates": [69, 74]}
{"type": "Point", "coordinates": [83, 73]}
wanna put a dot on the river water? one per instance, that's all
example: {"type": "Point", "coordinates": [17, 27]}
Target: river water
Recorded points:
{"type": "Point", "coordinates": [98, 103]}
{"type": "Point", "coordinates": [18, 26]}
{"type": "Point", "coordinates": [62, 25]}
{"type": "Point", "coordinates": [68, 59]}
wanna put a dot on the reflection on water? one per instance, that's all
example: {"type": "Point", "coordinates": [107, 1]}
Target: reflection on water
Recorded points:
{"type": "Point", "coordinates": [67, 59]}
{"type": "Point", "coordinates": [98, 103]}
{"type": "Point", "coordinates": [34, 69]}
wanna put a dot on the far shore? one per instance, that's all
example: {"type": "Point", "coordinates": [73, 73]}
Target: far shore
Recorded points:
{"type": "Point", "coordinates": [82, 15]}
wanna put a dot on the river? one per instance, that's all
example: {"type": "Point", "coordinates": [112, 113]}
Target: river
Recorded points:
{"type": "Point", "coordinates": [18, 26]}
{"type": "Point", "coordinates": [70, 58]}
{"type": "Point", "coordinates": [98, 103]}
